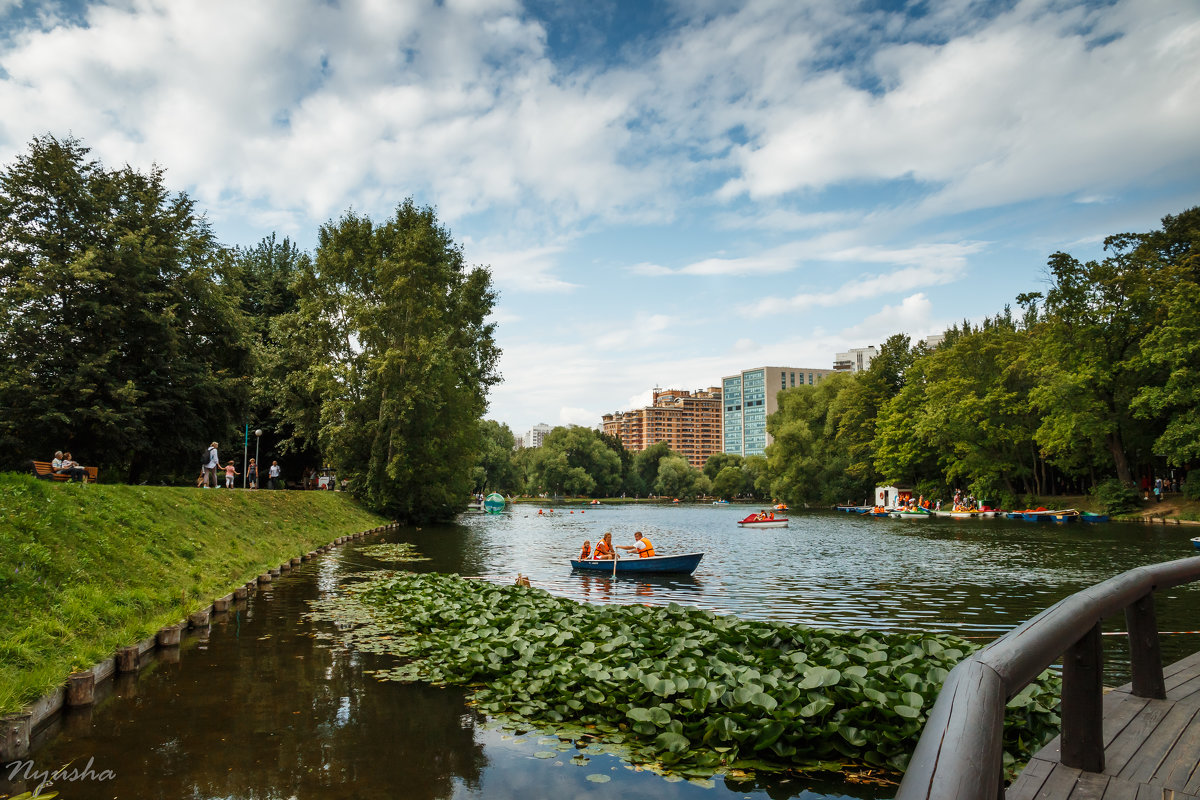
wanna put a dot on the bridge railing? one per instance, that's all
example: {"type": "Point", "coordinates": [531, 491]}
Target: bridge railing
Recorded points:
{"type": "Point", "coordinates": [960, 753]}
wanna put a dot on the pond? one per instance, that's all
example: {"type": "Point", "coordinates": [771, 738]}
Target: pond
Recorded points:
{"type": "Point", "coordinates": [262, 707]}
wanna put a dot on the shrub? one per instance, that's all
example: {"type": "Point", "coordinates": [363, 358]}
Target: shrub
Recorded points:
{"type": "Point", "coordinates": [1191, 485]}
{"type": "Point", "coordinates": [1115, 497]}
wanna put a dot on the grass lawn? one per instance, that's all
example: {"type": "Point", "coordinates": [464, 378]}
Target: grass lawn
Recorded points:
{"type": "Point", "coordinates": [85, 569]}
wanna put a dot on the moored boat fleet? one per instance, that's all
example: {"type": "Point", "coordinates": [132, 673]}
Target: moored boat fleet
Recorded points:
{"type": "Point", "coordinates": [1029, 515]}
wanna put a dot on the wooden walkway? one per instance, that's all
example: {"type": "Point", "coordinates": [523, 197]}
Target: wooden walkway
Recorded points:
{"type": "Point", "coordinates": [1151, 748]}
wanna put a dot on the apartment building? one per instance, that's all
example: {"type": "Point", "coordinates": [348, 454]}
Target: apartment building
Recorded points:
{"type": "Point", "coordinates": [750, 397]}
{"type": "Point", "coordinates": [856, 359]}
{"type": "Point", "coordinates": [689, 422]}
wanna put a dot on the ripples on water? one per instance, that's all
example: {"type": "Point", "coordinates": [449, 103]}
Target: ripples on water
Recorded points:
{"type": "Point", "coordinates": [975, 578]}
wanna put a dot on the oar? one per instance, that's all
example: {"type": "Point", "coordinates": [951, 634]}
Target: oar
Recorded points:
{"type": "Point", "coordinates": [615, 557]}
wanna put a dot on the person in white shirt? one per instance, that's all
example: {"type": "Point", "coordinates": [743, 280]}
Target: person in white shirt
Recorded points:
{"type": "Point", "coordinates": [273, 475]}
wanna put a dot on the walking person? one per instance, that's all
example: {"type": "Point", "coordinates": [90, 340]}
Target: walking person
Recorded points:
{"type": "Point", "coordinates": [273, 475]}
{"type": "Point", "coordinates": [210, 465]}
{"type": "Point", "coordinates": [252, 475]}
{"type": "Point", "coordinates": [231, 474]}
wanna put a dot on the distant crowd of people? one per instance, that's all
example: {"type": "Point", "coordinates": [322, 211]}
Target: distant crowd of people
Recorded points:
{"type": "Point", "coordinates": [211, 470]}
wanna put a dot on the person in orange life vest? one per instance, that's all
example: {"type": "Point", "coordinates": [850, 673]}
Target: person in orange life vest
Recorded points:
{"type": "Point", "coordinates": [772, 515]}
{"type": "Point", "coordinates": [641, 544]}
{"type": "Point", "coordinates": [587, 550]}
{"type": "Point", "coordinates": [604, 549]}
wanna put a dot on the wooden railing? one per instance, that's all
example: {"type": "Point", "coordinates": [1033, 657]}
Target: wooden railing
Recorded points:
{"type": "Point", "coordinates": [959, 755]}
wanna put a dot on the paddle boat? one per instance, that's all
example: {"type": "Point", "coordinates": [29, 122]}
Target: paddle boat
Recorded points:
{"type": "Point", "coordinates": [682, 564]}
{"type": "Point", "coordinates": [780, 507]}
{"type": "Point", "coordinates": [762, 521]}
{"type": "Point", "coordinates": [720, 502]}
{"type": "Point", "coordinates": [594, 503]}
{"type": "Point", "coordinates": [912, 513]}
{"type": "Point", "coordinates": [853, 509]}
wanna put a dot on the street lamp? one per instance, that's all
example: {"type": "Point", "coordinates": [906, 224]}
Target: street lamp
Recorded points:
{"type": "Point", "coordinates": [257, 465]}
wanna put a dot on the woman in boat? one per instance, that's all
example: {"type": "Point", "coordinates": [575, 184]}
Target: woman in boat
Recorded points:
{"type": "Point", "coordinates": [641, 544]}
{"type": "Point", "coordinates": [587, 550]}
{"type": "Point", "coordinates": [604, 549]}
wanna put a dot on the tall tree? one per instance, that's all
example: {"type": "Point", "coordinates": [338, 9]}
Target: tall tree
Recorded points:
{"type": "Point", "coordinates": [401, 354]}
{"type": "Point", "coordinates": [121, 335]}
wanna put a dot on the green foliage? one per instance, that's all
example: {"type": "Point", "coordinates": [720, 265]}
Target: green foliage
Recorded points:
{"type": "Point", "coordinates": [399, 354]}
{"type": "Point", "coordinates": [122, 336]}
{"type": "Point", "coordinates": [1115, 497]}
{"type": "Point", "coordinates": [113, 561]}
{"type": "Point", "coordinates": [645, 462]}
{"type": "Point", "coordinates": [688, 689]}
{"type": "Point", "coordinates": [676, 478]}
{"type": "Point", "coordinates": [494, 470]}
{"type": "Point", "coordinates": [1191, 486]}
{"type": "Point", "coordinates": [576, 461]}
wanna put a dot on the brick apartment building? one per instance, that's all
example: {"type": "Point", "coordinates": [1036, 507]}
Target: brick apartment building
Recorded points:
{"type": "Point", "coordinates": [689, 422]}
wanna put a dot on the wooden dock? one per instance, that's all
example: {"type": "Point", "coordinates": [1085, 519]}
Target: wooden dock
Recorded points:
{"type": "Point", "coordinates": [1151, 748]}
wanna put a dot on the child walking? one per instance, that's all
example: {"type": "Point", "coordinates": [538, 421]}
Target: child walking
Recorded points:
{"type": "Point", "coordinates": [230, 472]}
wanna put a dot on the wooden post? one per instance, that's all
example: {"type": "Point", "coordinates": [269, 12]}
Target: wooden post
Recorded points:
{"type": "Point", "coordinates": [241, 593]}
{"type": "Point", "coordinates": [169, 636]}
{"type": "Point", "coordinates": [264, 578]}
{"type": "Point", "coordinates": [200, 619]}
{"type": "Point", "coordinates": [1082, 704]}
{"type": "Point", "coordinates": [14, 736]}
{"type": "Point", "coordinates": [127, 659]}
{"type": "Point", "coordinates": [274, 572]}
{"type": "Point", "coordinates": [296, 561]}
{"type": "Point", "coordinates": [81, 688]}
{"type": "Point", "coordinates": [222, 603]}
{"type": "Point", "coordinates": [1145, 658]}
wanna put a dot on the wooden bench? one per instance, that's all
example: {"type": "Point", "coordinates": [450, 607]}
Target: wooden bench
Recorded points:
{"type": "Point", "coordinates": [43, 470]}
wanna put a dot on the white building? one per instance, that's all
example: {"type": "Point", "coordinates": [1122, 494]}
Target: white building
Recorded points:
{"type": "Point", "coordinates": [857, 359]}
{"type": "Point", "coordinates": [533, 438]}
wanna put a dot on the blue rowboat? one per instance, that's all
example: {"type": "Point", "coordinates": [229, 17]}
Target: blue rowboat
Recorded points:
{"type": "Point", "coordinates": [1196, 543]}
{"type": "Point", "coordinates": [684, 564]}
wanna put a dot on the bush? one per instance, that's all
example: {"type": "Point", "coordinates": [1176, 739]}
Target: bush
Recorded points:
{"type": "Point", "coordinates": [1116, 497]}
{"type": "Point", "coordinates": [1191, 485]}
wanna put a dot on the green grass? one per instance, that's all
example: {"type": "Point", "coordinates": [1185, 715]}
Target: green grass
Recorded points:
{"type": "Point", "coordinates": [85, 569]}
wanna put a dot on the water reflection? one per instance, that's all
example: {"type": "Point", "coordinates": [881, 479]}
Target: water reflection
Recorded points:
{"type": "Point", "coordinates": [259, 708]}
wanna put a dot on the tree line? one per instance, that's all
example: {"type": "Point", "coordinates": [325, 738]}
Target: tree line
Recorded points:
{"type": "Point", "coordinates": [132, 337]}
{"type": "Point", "coordinates": [582, 462]}
{"type": "Point", "coordinates": [1092, 385]}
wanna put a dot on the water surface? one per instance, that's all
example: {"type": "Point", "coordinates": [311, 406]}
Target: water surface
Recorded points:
{"type": "Point", "coordinates": [259, 708]}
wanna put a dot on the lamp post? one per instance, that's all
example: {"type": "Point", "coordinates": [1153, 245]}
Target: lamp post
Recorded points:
{"type": "Point", "coordinates": [257, 466]}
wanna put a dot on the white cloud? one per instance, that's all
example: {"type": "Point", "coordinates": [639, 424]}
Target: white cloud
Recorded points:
{"type": "Point", "coordinates": [913, 315]}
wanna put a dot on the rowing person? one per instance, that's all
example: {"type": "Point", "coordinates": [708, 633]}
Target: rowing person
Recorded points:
{"type": "Point", "coordinates": [641, 544]}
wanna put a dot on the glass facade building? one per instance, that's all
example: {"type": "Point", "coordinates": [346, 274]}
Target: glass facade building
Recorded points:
{"type": "Point", "coordinates": [750, 397]}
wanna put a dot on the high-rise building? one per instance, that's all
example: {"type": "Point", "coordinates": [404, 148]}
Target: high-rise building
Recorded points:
{"type": "Point", "coordinates": [857, 359]}
{"type": "Point", "coordinates": [533, 438]}
{"type": "Point", "coordinates": [689, 422]}
{"type": "Point", "coordinates": [750, 397]}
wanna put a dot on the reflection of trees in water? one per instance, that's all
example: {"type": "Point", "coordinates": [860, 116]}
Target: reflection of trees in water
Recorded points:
{"type": "Point", "coordinates": [281, 717]}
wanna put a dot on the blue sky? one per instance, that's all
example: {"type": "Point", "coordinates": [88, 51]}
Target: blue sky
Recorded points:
{"type": "Point", "coordinates": [666, 192]}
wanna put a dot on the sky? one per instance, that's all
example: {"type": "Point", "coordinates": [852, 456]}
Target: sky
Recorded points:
{"type": "Point", "coordinates": [665, 192]}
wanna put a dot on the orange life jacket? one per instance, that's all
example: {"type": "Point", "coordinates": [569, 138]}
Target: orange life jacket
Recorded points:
{"type": "Point", "coordinates": [587, 551]}
{"type": "Point", "coordinates": [602, 549]}
{"type": "Point", "coordinates": [648, 550]}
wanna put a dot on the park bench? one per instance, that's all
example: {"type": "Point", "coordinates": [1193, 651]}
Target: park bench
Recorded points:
{"type": "Point", "coordinates": [43, 470]}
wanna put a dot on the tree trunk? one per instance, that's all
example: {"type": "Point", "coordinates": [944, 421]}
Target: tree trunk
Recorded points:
{"type": "Point", "coordinates": [1117, 448]}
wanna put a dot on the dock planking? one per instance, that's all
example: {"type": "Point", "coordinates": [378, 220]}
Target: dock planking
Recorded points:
{"type": "Point", "coordinates": [1151, 748]}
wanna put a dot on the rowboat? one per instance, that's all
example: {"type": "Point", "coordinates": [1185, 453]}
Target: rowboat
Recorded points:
{"type": "Point", "coordinates": [962, 514]}
{"type": "Point", "coordinates": [1085, 516]}
{"type": "Point", "coordinates": [1196, 542]}
{"type": "Point", "coordinates": [752, 522]}
{"type": "Point", "coordinates": [854, 509]}
{"type": "Point", "coordinates": [683, 564]}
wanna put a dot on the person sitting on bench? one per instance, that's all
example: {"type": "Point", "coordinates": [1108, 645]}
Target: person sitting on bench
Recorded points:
{"type": "Point", "coordinates": [63, 465]}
